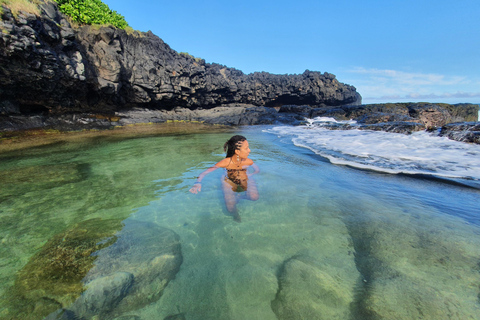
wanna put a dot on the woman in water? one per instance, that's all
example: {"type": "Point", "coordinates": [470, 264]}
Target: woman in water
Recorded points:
{"type": "Point", "coordinates": [236, 180]}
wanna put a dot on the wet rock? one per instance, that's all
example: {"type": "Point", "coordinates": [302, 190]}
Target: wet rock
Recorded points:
{"type": "Point", "coordinates": [53, 276]}
{"type": "Point", "coordinates": [321, 282]}
{"type": "Point", "coordinates": [394, 127]}
{"type": "Point", "coordinates": [408, 292]}
{"type": "Point", "coordinates": [310, 290]}
{"type": "Point", "coordinates": [362, 112]}
{"type": "Point", "coordinates": [304, 111]}
{"type": "Point", "coordinates": [430, 115]}
{"type": "Point", "coordinates": [103, 294]}
{"type": "Point", "coordinates": [401, 118]}
{"type": "Point", "coordinates": [97, 269]}
{"type": "Point", "coordinates": [7, 107]}
{"type": "Point", "coordinates": [410, 270]}
{"type": "Point", "coordinates": [128, 317]}
{"type": "Point", "coordinates": [380, 117]}
{"type": "Point", "coordinates": [464, 132]}
{"type": "Point", "coordinates": [179, 316]}
{"type": "Point", "coordinates": [234, 114]}
{"type": "Point", "coordinates": [19, 181]}
{"type": "Point", "coordinates": [142, 261]}
{"type": "Point", "coordinates": [462, 112]}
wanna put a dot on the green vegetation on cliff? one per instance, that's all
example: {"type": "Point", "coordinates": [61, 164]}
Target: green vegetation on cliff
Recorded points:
{"type": "Point", "coordinates": [91, 12]}
{"type": "Point", "coordinates": [80, 11]}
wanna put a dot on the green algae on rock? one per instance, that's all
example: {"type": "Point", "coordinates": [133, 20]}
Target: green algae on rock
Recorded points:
{"type": "Point", "coordinates": [137, 268]}
{"type": "Point", "coordinates": [53, 276]}
{"type": "Point", "coordinates": [96, 268]}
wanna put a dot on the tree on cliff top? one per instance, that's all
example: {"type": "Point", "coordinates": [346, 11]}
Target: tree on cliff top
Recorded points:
{"type": "Point", "coordinates": [91, 12]}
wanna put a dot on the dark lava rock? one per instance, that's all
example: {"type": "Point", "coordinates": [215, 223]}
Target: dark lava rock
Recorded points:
{"type": "Point", "coordinates": [305, 111]}
{"type": "Point", "coordinates": [464, 132]}
{"type": "Point", "coordinates": [398, 117]}
{"type": "Point", "coordinates": [49, 67]}
{"type": "Point", "coordinates": [231, 114]}
{"type": "Point", "coordinates": [394, 127]}
{"type": "Point", "coordinates": [428, 114]}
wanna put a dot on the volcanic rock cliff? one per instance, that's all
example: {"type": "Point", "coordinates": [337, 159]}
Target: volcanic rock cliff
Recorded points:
{"type": "Point", "coordinates": [49, 67]}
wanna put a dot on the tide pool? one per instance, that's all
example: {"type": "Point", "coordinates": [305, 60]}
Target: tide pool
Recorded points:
{"type": "Point", "coordinates": [324, 241]}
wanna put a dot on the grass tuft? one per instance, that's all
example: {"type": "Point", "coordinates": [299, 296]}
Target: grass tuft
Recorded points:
{"type": "Point", "coordinates": [30, 6]}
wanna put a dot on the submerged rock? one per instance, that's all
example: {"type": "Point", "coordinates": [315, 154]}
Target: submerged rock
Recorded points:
{"type": "Point", "coordinates": [410, 269]}
{"type": "Point", "coordinates": [22, 180]}
{"type": "Point", "coordinates": [310, 290]}
{"type": "Point", "coordinates": [142, 261]}
{"type": "Point", "coordinates": [52, 278]}
{"type": "Point", "coordinates": [179, 316]}
{"type": "Point", "coordinates": [320, 282]}
{"type": "Point", "coordinates": [96, 269]}
{"type": "Point", "coordinates": [103, 295]}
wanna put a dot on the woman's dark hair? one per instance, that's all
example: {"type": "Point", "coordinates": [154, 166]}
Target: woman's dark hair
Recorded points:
{"type": "Point", "coordinates": [233, 144]}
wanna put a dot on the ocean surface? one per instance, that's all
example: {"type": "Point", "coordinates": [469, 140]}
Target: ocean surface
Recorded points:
{"type": "Point", "coordinates": [349, 225]}
{"type": "Point", "coordinates": [421, 153]}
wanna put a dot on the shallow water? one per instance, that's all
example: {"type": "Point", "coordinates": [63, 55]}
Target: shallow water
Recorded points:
{"type": "Point", "coordinates": [323, 241]}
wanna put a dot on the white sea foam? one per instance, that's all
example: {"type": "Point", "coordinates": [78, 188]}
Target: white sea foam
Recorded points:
{"type": "Point", "coordinates": [418, 153]}
{"type": "Point", "coordinates": [319, 121]}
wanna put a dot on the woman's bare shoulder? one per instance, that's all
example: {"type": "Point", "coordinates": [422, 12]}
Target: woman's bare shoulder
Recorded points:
{"type": "Point", "coordinates": [248, 162]}
{"type": "Point", "coordinates": [223, 163]}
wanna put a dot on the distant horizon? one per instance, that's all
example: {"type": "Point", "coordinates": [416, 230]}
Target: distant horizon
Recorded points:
{"type": "Point", "coordinates": [380, 101]}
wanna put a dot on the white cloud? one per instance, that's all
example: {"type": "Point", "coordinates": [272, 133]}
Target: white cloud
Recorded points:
{"type": "Point", "coordinates": [409, 78]}
{"type": "Point", "coordinates": [378, 85]}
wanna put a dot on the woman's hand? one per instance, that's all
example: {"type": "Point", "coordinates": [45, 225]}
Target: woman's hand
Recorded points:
{"type": "Point", "coordinates": [197, 187]}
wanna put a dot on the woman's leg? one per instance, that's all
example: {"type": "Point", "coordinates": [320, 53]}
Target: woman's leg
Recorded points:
{"type": "Point", "coordinates": [230, 199]}
{"type": "Point", "coordinates": [252, 191]}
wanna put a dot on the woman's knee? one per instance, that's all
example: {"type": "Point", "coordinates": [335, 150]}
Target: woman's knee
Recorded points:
{"type": "Point", "coordinates": [253, 196]}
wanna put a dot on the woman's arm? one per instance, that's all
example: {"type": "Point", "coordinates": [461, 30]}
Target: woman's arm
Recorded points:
{"type": "Point", "coordinates": [197, 186]}
{"type": "Point", "coordinates": [256, 169]}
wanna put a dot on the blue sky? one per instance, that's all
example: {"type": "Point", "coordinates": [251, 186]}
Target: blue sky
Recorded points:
{"type": "Point", "coordinates": [391, 51]}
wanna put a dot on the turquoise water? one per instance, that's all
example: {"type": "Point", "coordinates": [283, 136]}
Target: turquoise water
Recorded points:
{"type": "Point", "coordinates": [323, 241]}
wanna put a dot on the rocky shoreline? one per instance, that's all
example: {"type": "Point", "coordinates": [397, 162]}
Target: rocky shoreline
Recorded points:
{"type": "Point", "coordinates": [457, 122]}
{"type": "Point", "coordinates": [49, 66]}
{"type": "Point", "coordinates": [57, 76]}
